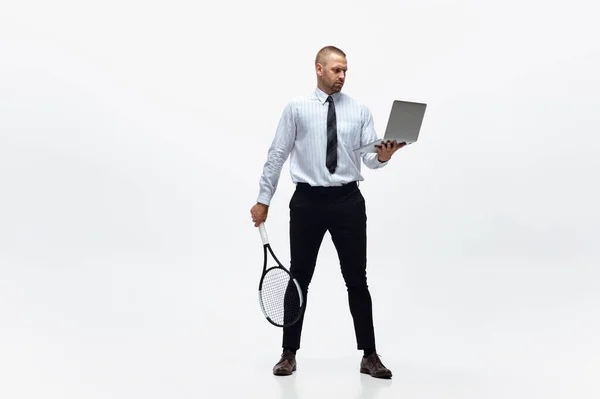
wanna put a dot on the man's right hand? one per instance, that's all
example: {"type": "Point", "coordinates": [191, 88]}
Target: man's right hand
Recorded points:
{"type": "Point", "coordinates": [259, 213]}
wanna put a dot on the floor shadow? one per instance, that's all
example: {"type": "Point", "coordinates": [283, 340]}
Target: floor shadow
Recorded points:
{"type": "Point", "coordinates": [371, 387]}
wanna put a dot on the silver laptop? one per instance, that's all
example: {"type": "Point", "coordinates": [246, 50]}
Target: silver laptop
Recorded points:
{"type": "Point", "coordinates": [404, 124]}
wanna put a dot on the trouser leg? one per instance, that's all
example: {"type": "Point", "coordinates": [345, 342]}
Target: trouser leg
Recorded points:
{"type": "Point", "coordinates": [347, 225]}
{"type": "Point", "coordinates": [307, 229]}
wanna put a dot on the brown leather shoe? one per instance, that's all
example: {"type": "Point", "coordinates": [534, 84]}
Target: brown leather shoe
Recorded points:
{"type": "Point", "coordinates": [372, 365]}
{"type": "Point", "coordinates": [286, 365]}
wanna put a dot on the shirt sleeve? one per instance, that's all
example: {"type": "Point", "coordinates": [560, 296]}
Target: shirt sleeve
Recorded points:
{"type": "Point", "coordinates": [368, 135]}
{"type": "Point", "coordinates": [279, 151]}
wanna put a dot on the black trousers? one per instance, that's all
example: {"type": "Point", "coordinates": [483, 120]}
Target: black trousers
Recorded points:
{"type": "Point", "coordinates": [341, 211]}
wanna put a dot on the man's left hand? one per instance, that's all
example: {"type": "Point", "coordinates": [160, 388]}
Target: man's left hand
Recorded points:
{"type": "Point", "coordinates": [387, 149]}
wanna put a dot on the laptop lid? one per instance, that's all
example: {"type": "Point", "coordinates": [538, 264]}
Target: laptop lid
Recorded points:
{"type": "Point", "coordinates": [404, 123]}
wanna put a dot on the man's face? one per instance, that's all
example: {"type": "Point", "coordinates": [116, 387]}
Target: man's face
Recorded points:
{"type": "Point", "coordinates": [333, 73]}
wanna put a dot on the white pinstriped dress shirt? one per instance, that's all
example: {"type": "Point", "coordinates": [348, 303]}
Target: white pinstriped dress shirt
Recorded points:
{"type": "Point", "coordinates": [302, 135]}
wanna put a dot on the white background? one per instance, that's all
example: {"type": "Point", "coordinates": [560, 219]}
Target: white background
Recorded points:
{"type": "Point", "coordinates": [132, 138]}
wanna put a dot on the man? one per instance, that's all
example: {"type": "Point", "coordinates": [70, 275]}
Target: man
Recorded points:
{"type": "Point", "coordinates": [320, 132]}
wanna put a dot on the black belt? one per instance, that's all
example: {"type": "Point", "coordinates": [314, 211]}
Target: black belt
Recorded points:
{"type": "Point", "coordinates": [344, 188]}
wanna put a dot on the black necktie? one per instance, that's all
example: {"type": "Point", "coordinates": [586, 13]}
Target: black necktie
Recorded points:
{"type": "Point", "coordinates": [331, 160]}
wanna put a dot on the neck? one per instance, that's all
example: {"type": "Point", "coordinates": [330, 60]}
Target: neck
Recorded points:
{"type": "Point", "coordinates": [323, 89]}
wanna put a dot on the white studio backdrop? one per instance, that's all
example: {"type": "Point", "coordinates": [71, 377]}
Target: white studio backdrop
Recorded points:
{"type": "Point", "coordinates": [133, 135]}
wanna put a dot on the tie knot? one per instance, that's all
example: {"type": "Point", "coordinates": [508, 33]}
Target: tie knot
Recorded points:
{"type": "Point", "coordinates": [329, 99]}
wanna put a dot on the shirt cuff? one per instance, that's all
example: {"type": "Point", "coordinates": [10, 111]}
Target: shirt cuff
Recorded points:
{"type": "Point", "coordinates": [264, 199]}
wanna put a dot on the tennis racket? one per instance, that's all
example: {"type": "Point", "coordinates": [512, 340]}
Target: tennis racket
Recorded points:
{"type": "Point", "coordinates": [279, 293]}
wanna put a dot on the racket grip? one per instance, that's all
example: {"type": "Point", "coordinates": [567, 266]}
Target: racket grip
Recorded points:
{"type": "Point", "coordinates": [263, 233]}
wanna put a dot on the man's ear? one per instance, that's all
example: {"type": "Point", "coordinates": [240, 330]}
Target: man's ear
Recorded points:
{"type": "Point", "coordinates": [319, 69]}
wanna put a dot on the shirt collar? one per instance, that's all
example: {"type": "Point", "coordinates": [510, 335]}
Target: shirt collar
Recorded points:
{"type": "Point", "coordinates": [322, 96]}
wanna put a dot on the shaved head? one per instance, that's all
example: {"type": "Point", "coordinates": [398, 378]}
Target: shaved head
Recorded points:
{"type": "Point", "coordinates": [331, 67]}
{"type": "Point", "coordinates": [325, 52]}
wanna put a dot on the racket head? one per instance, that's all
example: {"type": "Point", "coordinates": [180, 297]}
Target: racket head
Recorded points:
{"type": "Point", "coordinates": [280, 297]}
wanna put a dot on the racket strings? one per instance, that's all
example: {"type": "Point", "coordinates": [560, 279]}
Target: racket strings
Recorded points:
{"type": "Point", "coordinates": [280, 297]}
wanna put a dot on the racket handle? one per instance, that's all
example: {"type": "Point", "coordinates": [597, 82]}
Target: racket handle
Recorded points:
{"type": "Point", "coordinates": [263, 233]}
